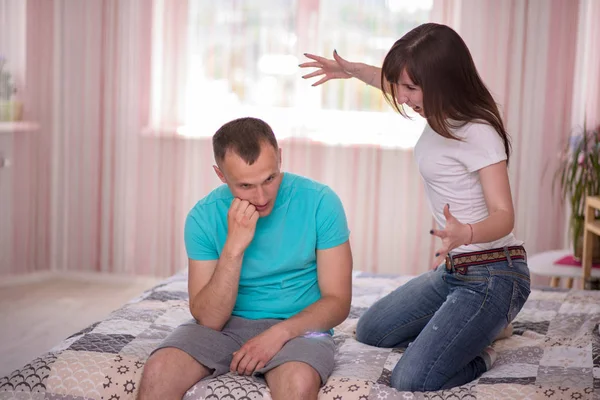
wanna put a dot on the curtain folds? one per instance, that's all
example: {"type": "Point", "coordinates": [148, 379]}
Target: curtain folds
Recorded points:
{"type": "Point", "coordinates": [105, 184]}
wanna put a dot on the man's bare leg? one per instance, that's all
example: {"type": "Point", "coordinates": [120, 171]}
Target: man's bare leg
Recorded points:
{"type": "Point", "coordinates": [293, 381]}
{"type": "Point", "coordinates": [168, 374]}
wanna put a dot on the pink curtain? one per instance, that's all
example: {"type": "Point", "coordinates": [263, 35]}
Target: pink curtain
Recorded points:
{"type": "Point", "coordinates": [586, 104]}
{"type": "Point", "coordinates": [102, 187]}
{"type": "Point", "coordinates": [107, 182]}
{"type": "Point", "coordinates": [31, 171]}
{"type": "Point", "coordinates": [105, 185]}
{"type": "Point", "coordinates": [88, 80]}
{"type": "Point", "coordinates": [12, 52]}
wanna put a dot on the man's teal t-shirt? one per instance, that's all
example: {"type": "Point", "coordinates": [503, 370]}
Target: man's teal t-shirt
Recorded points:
{"type": "Point", "coordinates": [279, 270]}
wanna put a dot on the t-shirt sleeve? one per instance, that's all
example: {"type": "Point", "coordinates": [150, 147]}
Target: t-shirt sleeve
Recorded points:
{"type": "Point", "coordinates": [332, 226]}
{"type": "Point", "coordinates": [198, 245]}
{"type": "Point", "coordinates": [482, 146]}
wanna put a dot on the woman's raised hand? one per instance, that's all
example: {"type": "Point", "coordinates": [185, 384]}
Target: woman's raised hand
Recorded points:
{"type": "Point", "coordinates": [338, 68]}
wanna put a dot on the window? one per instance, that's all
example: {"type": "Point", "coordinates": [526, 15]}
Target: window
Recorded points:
{"type": "Point", "coordinates": [244, 56]}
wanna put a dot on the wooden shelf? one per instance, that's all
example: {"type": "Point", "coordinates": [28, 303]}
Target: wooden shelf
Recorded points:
{"type": "Point", "coordinates": [594, 201]}
{"type": "Point", "coordinates": [591, 227]}
{"type": "Point", "coordinates": [18, 126]}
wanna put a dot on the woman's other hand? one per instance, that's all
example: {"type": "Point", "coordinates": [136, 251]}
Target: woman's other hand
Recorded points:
{"type": "Point", "coordinates": [455, 234]}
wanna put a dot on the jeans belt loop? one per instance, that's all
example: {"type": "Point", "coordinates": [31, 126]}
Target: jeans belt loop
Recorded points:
{"type": "Point", "coordinates": [507, 254]}
{"type": "Point", "coordinates": [461, 269]}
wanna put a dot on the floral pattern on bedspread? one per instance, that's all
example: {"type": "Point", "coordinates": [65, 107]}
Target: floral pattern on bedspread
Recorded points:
{"type": "Point", "coordinates": [554, 354]}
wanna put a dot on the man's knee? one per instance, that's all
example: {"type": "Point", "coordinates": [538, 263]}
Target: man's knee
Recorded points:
{"type": "Point", "coordinates": [158, 364]}
{"type": "Point", "coordinates": [296, 377]}
{"type": "Point", "coordinates": [304, 379]}
{"type": "Point", "coordinates": [169, 371]}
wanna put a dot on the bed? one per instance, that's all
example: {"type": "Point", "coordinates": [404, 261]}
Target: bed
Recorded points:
{"type": "Point", "coordinates": [554, 353]}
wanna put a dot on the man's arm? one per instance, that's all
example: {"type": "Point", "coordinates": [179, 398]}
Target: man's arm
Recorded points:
{"type": "Point", "coordinates": [213, 284]}
{"type": "Point", "coordinates": [334, 269]}
{"type": "Point", "coordinates": [213, 287]}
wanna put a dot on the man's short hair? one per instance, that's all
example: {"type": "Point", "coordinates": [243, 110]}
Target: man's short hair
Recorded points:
{"type": "Point", "coordinates": [243, 136]}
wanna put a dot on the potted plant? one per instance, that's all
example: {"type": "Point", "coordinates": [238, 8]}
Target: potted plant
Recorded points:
{"type": "Point", "coordinates": [578, 176]}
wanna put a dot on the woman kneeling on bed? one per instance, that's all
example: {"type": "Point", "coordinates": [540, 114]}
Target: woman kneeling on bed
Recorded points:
{"type": "Point", "coordinates": [447, 318]}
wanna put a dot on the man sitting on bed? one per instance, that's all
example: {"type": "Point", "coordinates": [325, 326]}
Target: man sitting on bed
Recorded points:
{"type": "Point", "coordinates": [270, 272]}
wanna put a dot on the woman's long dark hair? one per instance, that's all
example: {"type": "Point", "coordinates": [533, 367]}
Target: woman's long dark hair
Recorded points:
{"type": "Point", "coordinates": [437, 59]}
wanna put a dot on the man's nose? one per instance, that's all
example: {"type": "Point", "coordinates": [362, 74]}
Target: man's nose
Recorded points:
{"type": "Point", "coordinates": [260, 196]}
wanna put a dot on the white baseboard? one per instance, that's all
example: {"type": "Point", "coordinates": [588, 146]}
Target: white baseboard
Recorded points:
{"type": "Point", "coordinates": [78, 276]}
{"type": "Point", "coordinates": [105, 277]}
{"type": "Point", "coordinates": [23, 279]}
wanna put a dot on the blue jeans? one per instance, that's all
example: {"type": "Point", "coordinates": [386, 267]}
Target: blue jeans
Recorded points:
{"type": "Point", "coordinates": [446, 319]}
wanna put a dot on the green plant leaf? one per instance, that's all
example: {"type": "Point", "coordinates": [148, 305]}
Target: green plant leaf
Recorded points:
{"type": "Point", "coordinates": [576, 180]}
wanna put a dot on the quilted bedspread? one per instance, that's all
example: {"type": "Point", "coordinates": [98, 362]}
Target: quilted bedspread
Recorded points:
{"type": "Point", "coordinates": [554, 353]}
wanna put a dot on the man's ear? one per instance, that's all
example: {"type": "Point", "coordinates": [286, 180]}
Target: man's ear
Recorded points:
{"type": "Point", "coordinates": [219, 173]}
{"type": "Point", "coordinates": [280, 158]}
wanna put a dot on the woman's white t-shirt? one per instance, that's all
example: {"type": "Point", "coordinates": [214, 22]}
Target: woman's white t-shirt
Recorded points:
{"type": "Point", "coordinates": [450, 172]}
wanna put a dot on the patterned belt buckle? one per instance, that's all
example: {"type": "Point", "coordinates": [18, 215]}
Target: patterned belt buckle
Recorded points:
{"type": "Point", "coordinates": [448, 263]}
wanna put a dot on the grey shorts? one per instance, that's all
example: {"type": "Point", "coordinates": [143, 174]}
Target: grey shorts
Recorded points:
{"type": "Point", "coordinates": [214, 349]}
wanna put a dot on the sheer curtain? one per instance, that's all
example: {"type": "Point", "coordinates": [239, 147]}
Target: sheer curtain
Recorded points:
{"type": "Point", "coordinates": [586, 93]}
{"type": "Point", "coordinates": [87, 77]}
{"type": "Point", "coordinates": [12, 59]}
{"type": "Point", "coordinates": [127, 97]}
{"type": "Point", "coordinates": [244, 61]}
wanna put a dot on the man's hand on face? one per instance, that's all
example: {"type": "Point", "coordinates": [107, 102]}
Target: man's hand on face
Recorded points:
{"type": "Point", "coordinates": [258, 351]}
{"type": "Point", "coordinates": [241, 225]}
